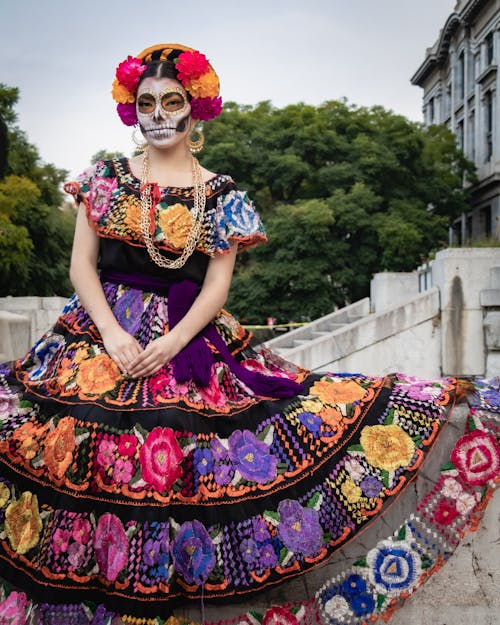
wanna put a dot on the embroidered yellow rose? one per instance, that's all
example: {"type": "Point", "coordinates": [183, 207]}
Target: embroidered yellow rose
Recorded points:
{"type": "Point", "coordinates": [351, 491]}
{"type": "Point", "coordinates": [133, 215]}
{"type": "Point", "coordinates": [387, 447]}
{"type": "Point", "coordinates": [4, 494]}
{"type": "Point", "coordinates": [23, 523]}
{"type": "Point", "coordinates": [59, 446]}
{"type": "Point", "coordinates": [341, 392]}
{"type": "Point", "coordinates": [312, 405]}
{"type": "Point", "coordinates": [176, 222]}
{"type": "Point", "coordinates": [97, 375]}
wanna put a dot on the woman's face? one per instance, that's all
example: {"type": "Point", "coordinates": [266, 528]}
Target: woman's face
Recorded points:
{"type": "Point", "coordinates": [163, 111]}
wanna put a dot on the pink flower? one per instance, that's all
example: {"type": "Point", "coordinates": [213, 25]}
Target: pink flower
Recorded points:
{"type": "Point", "coordinates": [81, 531]}
{"type": "Point", "coordinates": [477, 457]}
{"type": "Point", "coordinates": [160, 458]}
{"type": "Point", "coordinates": [465, 503]}
{"type": "Point", "coordinates": [127, 445]}
{"type": "Point", "coordinates": [190, 65]}
{"type": "Point", "coordinates": [127, 113]}
{"type": "Point", "coordinates": [13, 609]}
{"type": "Point", "coordinates": [129, 72]}
{"type": "Point", "coordinates": [111, 546]}
{"type": "Point", "coordinates": [76, 555]}
{"type": "Point", "coordinates": [279, 616]}
{"type": "Point", "coordinates": [205, 109]}
{"type": "Point", "coordinates": [445, 514]}
{"type": "Point", "coordinates": [100, 193]}
{"type": "Point", "coordinates": [451, 488]}
{"type": "Point", "coordinates": [106, 453]}
{"type": "Point", "coordinates": [123, 471]}
{"type": "Point", "coordinates": [212, 393]}
{"type": "Point", "coordinates": [60, 541]}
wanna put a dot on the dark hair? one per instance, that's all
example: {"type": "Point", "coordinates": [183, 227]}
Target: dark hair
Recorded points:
{"type": "Point", "coordinates": [161, 69]}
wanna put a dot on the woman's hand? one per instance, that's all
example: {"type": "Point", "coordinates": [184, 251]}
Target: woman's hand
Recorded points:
{"type": "Point", "coordinates": [154, 356]}
{"type": "Point", "coordinates": [122, 347]}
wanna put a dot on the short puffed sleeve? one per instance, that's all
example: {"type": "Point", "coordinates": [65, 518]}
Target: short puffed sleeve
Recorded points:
{"type": "Point", "coordinates": [94, 188]}
{"type": "Point", "coordinates": [237, 220]}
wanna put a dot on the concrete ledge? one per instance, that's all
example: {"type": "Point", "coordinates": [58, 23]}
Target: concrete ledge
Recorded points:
{"type": "Point", "coordinates": [14, 335]}
{"type": "Point", "coordinates": [490, 298]}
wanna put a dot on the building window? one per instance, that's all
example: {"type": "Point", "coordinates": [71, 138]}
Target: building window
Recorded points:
{"type": "Point", "coordinates": [490, 48]}
{"type": "Point", "coordinates": [460, 134]}
{"type": "Point", "coordinates": [430, 111]}
{"type": "Point", "coordinates": [471, 74]}
{"type": "Point", "coordinates": [471, 143]}
{"type": "Point", "coordinates": [488, 123]}
{"type": "Point", "coordinates": [460, 76]}
{"type": "Point", "coordinates": [468, 228]}
{"type": "Point", "coordinates": [447, 101]}
{"type": "Point", "coordinates": [485, 221]}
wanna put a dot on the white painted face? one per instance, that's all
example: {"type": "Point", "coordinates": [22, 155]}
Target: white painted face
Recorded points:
{"type": "Point", "coordinates": [163, 111]}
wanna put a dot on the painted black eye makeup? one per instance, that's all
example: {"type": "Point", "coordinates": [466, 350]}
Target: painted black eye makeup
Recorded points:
{"type": "Point", "coordinates": [171, 101]}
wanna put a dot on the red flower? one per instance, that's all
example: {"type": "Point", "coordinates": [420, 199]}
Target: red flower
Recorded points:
{"type": "Point", "coordinates": [127, 445]}
{"type": "Point", "coordinates": [190, 65]}
{"type": "Point", "coordinates": [127, 114]}
{"type": "Point", "coordinates": [477, 457]}
{"type": "Point", "coordinates": [279, 616]}
{"type": "Point", "coordinates": [129, 72]}
{"type": "Point", "coordinates": [445, 514]}
{"type": "Point", "coordinates": [206, 109]}
{"type": "Point", "coordinates": [160, 458]}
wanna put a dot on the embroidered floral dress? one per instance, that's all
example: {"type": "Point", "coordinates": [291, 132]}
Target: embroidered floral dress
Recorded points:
{"type": "Point", "coordinates": [132, 496]}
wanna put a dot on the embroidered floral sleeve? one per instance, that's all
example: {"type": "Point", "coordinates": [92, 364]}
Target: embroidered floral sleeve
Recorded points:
{"type": "Point", "coordinates": [94, 188]}
{"type": "Point", "coordinates": [236, 219]}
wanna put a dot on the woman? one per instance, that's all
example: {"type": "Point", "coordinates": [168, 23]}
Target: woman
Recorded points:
{"type": "Point", "coordinates": [149, 456]}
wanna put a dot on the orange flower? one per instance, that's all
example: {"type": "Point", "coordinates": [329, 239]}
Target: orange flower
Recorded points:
{"type": "Point", "coordinates": [387, 447]}
{"type": "Point", "coordinates": [351, 491]}
{"type": "Point", "coordinates": [133, 215]}
{"type": "Point", "coordinates": [23, 523]}
{"type": "Point", "coordinates": [59, 447]}
{"type": "Point", "coordinates": [65, 372]}
{"type": "Point", "coordinates": [28, 435]}
{"type": "Point", "coordinates": [332, 417]}
{"type": "Point", "coordinates": [97, 375]}
{"type": "Point", "coordinates": [206, 86]}
{"type": "Point", "coordinates": [176, 223]}
{"type": "Point", "coordinates": [121, 94]}
{"type": "Point", "coordinates": [343, 392]}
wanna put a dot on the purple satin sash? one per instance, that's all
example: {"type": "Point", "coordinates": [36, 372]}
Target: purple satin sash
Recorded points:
{"type": "Point", "coordinates": [195, 360]}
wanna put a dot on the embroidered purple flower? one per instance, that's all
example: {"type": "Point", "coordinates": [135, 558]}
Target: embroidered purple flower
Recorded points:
{"type": "Point", "coordinates": [151, 552]}
{"type": "Point", "coordinates": [267, 556]}
{"type": "Point", "coordinates": [251, 457]}
{"type": "Point", "coordinates": [77, 555]}
{"type": "Point", "coordinates": [371, 486]}
{"type": "Point", "coordinates": [223, 474]}
{"type": "Point", "coordinates": [249, 550]}
{"type": "Point", "coordinates": [299, 528]}
{"type": "Point", "coordinates": [128, 310]}
{"type": "Point", "coordinates": [311, 421]}
{"type": "Point", "coordinates": [219, 452]}
{"type": "Point", "coordinates": [260, 531]}
{"type": "Point", "coordinates": [193, 552]}
{"type": "Point", "coordinates": [203, 460]}
{"type": "Point", "coordinates": [111, 546]}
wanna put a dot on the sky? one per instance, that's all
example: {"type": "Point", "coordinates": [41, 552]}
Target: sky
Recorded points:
{"type": "Point", "coordinates": [62, 55]}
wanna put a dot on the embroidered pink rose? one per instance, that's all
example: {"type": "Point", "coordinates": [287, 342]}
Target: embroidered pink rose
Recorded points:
{"type": "Point", "coordinates": [100, 193]}
{"type": "Point", "coordinates": [13, 609]}
{"type": "Point", "coordinates": [477, 457]}
{"type": "Point", "coordinates": [123, 471]}
{"type": "Point", "coordinates": [81, 531]}
{"type": "Point", "coordinates": [160, 459]}
{"type": "Point", "coordinates": [60, 541]}
{"type": "Point", "coordinates": [111, 546]}
{"type": "Point", "coordinates": [106, 453]}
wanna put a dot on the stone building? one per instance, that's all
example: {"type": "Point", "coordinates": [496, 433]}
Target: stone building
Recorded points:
{"type": "Point", "coordinates": [461, 86]}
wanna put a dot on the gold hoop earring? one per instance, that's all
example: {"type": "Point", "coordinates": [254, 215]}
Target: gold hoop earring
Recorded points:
{"type": "Point", "coordinates": [141, 144]}
{"type": "Point", "coordinates": [196, 140]}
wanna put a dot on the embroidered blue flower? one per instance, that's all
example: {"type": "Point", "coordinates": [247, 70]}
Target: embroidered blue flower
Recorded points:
{"type": "Point", "coordinates": [203, 461]}
{"type": "Point", "coordinates": [193, 552]}
{"type": "Point", "coordinates": [299, 528]}
{"type": "Point", "coordinates": [251, 457]}
{"type": "Point", "coordinates": [44, 354]}
{"type": "Point", "coordinates": [311, 421]}
{"type": "Point", "coordinates": [353, 585]}
{"type": "Point", "coordinates": [128, 310]}
{"type": "Point", "coordinates": [371, 486]}
{"type": "Point", "coordinates": [249, 550]}
{"type": "Point", "coordinates": [268, 557]}
{"type": "Point", "coordinates": [393, 567]}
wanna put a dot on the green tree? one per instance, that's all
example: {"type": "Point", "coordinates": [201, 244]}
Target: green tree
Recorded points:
{"type": "Point", "coordinates": [35, 234]}
{"type": "Point", "coordinates": [388, 186]}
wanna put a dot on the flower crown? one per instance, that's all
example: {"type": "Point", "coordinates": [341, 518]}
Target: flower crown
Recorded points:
{"type": "Point", "coordinates": [193, 70]}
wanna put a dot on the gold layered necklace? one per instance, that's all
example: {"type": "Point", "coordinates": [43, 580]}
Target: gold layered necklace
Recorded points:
{"type": "Point", "coordinates": [198, 213]}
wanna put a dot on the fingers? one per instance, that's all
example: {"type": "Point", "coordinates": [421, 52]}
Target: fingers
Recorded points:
{"type": "Point", "coordinates": [147, 362]}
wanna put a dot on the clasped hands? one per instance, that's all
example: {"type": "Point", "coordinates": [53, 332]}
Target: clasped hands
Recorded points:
{"type": "Point", "coordinates": [134, 360]}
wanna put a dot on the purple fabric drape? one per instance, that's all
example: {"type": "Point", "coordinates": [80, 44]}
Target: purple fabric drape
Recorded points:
{"type": "Point", "coordinates": [196, 359]}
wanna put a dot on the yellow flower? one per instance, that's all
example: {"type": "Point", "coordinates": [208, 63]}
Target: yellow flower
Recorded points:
{"type": "Point", "coordinates": [59, 446]}
{"type": "Point", "coordinates": [207, 86]}
{"type": "Point", "coordinates": [133, 215]}
{"type": "Point", "coordinates": [121, 94]}
{"type": "Point", "coordinates": [387, 447]}
{"type": "Point", "coordinates": [176, 222]}
{"type": "Point", "coordinates": [4, 494]}
{"type": "Point", "coordinates": [312, 405]}
{"type": "Point", "coordinates": [342, 392]}
{"type": "Point", "coordinates": [23, 523]}
{"type": "Point", "coordinates": [351, 491]}
{"type": "Point", "coordinates": [97, 375]}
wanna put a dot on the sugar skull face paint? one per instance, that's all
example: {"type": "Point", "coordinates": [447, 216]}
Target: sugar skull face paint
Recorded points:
{"type": "Point", "coordinates": [162, 110]}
